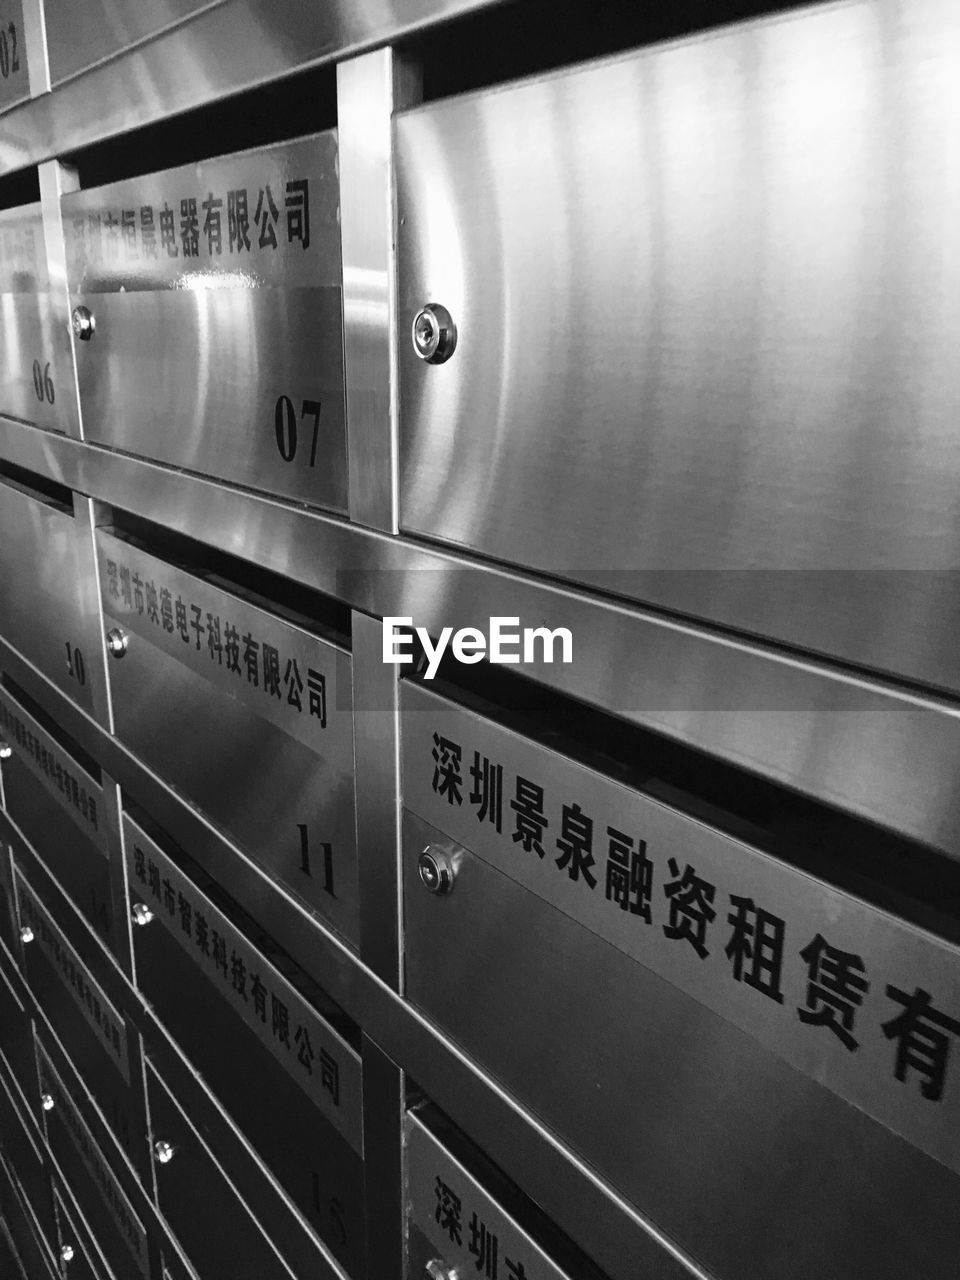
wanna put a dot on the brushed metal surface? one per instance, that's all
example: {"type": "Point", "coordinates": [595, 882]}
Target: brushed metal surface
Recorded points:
{"type": "Point", "coordinates": [14, 61]}
{"type": "Point", "coordinates": [207, 330]}
{"type": "Point", "coordinates": [369, 90]}
{"type": "Point", "coordinates": [56, 180]}
{"type": "Point", "coordinates": [432, 1177]}
{"type": "Point", "coordinates": [224, 1239]}
{"type": "Point", "coordinates": [706, 305]}
{"type": "Point", "coordinates": [21, 1145]}
{"type": "Point", "coordinates": [886, 753]}
{"type": "Point", "coordinates": [252, 1036]}
{"type": "Point", "coordinates": [16, 1043]}
{"type": "Point", "coordinates": [599, 1219]}
{"type": "Point", "coordinates": [276, 775]}
{"type": "Point", "coordinates": [78, 36]}
{"type": "Point", "coordinates": [36, 378]}
{"type": "Point", "coordinates": [48, 589]}
{"type": "Point", "coordinates": [112, 1217]}
{"type": "Point", "coordinates": [87, 1262]}
{"type": "Point", "coordinates": [727, 1150]}
{"type": "Point", "coordinates": [224, 50]}
{"type": "Point", "coordinates": [744, 951]}
{"type": "Point", "coordinates": [58, 809]}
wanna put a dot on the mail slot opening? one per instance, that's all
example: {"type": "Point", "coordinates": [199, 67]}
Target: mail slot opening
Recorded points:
{"type": "Point", "coordinates": [42, 488]}
{"type": "Point", "coordinates": [22, 187]}
{"type": "Point", "coordinates": [277, 112]}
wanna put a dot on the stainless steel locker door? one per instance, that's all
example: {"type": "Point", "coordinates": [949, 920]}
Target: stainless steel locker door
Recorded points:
{"type": "Point", "coordinates": [213, 337]}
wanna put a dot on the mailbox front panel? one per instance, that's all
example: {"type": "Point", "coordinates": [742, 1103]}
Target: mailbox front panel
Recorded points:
{"type": "Point", "coordinates": [247, 715]}
{"type": "Point", "coordinates": [215, 295]}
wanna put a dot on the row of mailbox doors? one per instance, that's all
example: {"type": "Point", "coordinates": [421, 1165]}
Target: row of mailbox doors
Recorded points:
{"type": "Point", "coordinates": [65, 1044]}
{"type": "Point", "coordinates": [624, 912]}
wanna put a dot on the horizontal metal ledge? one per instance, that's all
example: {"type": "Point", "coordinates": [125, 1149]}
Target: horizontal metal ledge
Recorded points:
{"type": "Point", "coordinates": [869, 748]}
{"type": "Point", "coordinates": [222, 51]}
{"type": "Point", "coordinates": [609, 1230]}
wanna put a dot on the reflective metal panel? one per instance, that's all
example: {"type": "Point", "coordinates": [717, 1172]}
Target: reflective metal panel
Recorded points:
{"type": "Point", "coordinates": [816, 975]}
{"type": "Point", "coordinates": [21, 1145]}
{"type": "Point", "coordinates": [59, 808]}
{"type": "Point", "coordinates": [706, 307]}
{"type": "Point", "coordinates": [443, 1200]}
{"type": "Point", "coordinates": [36, 375]}
{"type": "Point", "coordinates": [91, 1029]}
{"type": "Point", "coordinates": [714, 1138]}
{"type": "Point", "coordinates": [86, 1262]}
{"type": "Point", "coordinates": [48, 592]}
{"type": "Point", "coordinates": [79, 36]}
{"type": "Point", "coordinates": [102, 1200]}
{"type": "Point", "coordinates": [252, 1036]}
{"type": "Point", "coordinates": [16, 1038]}
{"type": "Point", "coordinates": [224, 1239]}
{"type": "Point", "coordinates": [215, 292]}
{"type": "Point", "coordinates": [248, 715]}
{"type": "Point", "coordinates": [14, 73]}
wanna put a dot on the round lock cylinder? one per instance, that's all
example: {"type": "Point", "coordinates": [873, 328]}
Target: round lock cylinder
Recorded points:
{"type": "Point", "coordinates": [164, 1151]}
{"type": "Point", "coordinates": [84, 324]}
{"type": "Point", "coordinates": [46, 1101]}
{"type": "Point", "coordinates": [434, 333]}
{"type": "Point", "coordinates": [117, 642]}
{"type": "Point", "coordinates": [66, 1253]}
{"type": "Point", "coordinates": [26, 934]}
{"type": "Point", "coordinates": [437, 869]}
{"type": "Point", "coordinates": [6, 751]}
{"type": "Point", "coordinates": [141, 914]}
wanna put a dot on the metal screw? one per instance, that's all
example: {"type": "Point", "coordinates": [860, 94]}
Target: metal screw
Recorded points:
{"type": "Point", "coordinates": [437, 1269]}
{"type": "Point", "coordinates": [66, 1253]}
{"type": "Point", "coordinates": [141, 914]}
{"type": "Point", "coordinates": [26, 934]}
{"type": "Point", "coordinates": [436, 869]}
{"type": "Point", "coordinates": [46, 1101]}
{"type": "Point", "coordinates": [6, 751]}
{"type": "Point", "coordinates": [84, 325]}
{"type": "Point", "coordinates": [434, 333]}
{"type": "Point", "coordinates": [164, 1151]}
{"type": "Point", "coordinates": [117, 641]}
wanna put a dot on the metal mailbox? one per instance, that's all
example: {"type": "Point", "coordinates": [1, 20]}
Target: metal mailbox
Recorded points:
{"type": "Point", "coordinates": [452, 1220]}
{"type": "Point", "coordinates": [16, 1040]}
{"type": "Point", "coordinates": [87, 1170]}
{"type": "Point", "coordinates": [207, 301]}
{"type": "Point", "coordinates": [93, 1032]}
{"type": "Point", "coordinates": [58, 805]}
{"type": "Point", "coordinates": [22, 1145]}
{"type": "Point", "coordinates": [704, 356]}
{"type": "Point", "coordinates": [246, 714]}
{"type": "Point", "coordinates": [225, 1239]}
{"type": "Point", "coordinates": [680, 1006]}
{"type": "Point", "coordinates": [252, 1035]}
{"type": "Point", "coordinates": [48, 590]}
{"type": "Point", "coordinates": [37, 382]}
{"type": "Point", "coordinates": [85, 1261]}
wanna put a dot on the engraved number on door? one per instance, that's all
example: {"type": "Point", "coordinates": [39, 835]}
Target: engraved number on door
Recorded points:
{"type": "Point", "coordinates": [305, 864]}
{"type": "Point", "coordinates": [43, 383]}
{"type": "Point", "coordinates": [9, 58]}
{"type": "Point", "coordinates": [75, 664]}
{"type": "Point", "coordinates": [287, 431]}
{"type": "Point", "coordinates": [338, 1230]}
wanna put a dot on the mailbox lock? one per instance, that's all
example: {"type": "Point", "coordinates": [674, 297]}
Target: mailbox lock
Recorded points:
{"type": "Point", "coordinates": [83, 323]}
{"type": "Point", "coordinates": [46, 1101]}
{"type": "Point", "coordinates": [434, 333]}
{"type": "Point", "coordinates": [66, 1253]}
{"type": "Point", "coordinates": [26, 934]}
{"type": "Point", "coordinates": [6, 751]}
{"type": "Point", "coordinates": [141, 914]}
{"type": "Point", "coordinates": [437, 870]}
{"type": "Point", "coordinates": [164, 1151]}
{"type": "Point", "coordinates": [436, 1269]}
{"type": "Point", "coordinates": [117, 641]}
